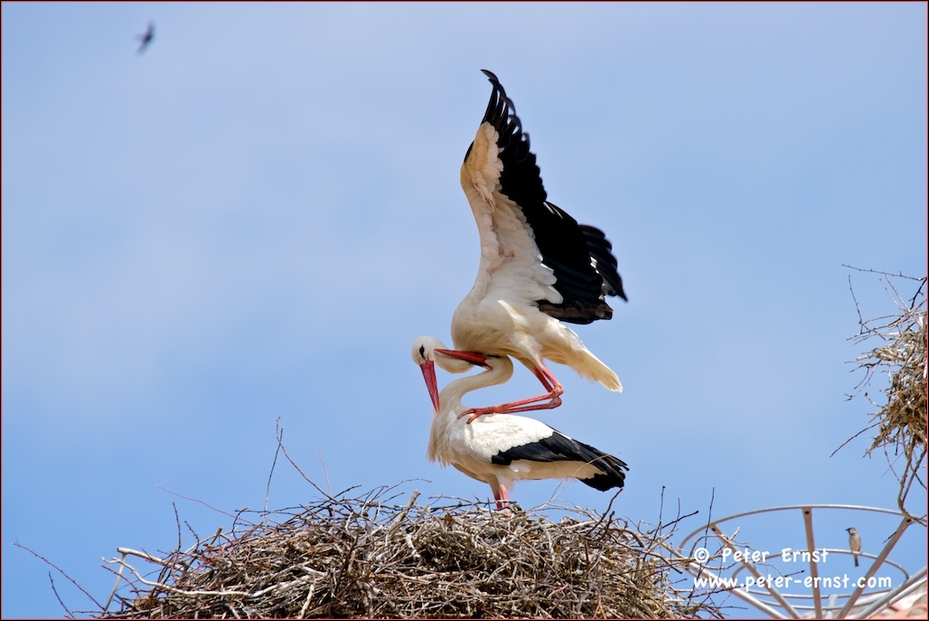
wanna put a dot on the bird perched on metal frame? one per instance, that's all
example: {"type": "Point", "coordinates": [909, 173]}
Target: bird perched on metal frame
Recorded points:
{"type": "Point", "coordinates": [854, 542]}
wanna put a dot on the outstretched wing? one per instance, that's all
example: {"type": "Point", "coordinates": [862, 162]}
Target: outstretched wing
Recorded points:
{"type": "Point", "coordinates": [530, 246]}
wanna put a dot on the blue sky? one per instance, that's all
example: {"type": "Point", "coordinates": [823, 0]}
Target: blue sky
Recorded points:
{"type": "Point", "coordinates": [253, 220]}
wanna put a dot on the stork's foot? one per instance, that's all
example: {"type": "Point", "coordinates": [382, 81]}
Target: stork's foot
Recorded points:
{"type": "Point", "coordinates": [475, 413]}
{"type": "Point", "coordinates": [511, 408]}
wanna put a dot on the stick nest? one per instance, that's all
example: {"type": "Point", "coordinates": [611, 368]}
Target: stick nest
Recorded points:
{"type": "Point", "coordinates": [368, 557]}
{"type": "Point", "coordinates": [900, 422]}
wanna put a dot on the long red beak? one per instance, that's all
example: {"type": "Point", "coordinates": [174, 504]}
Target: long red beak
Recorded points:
{"type": "Point", "coordinates": [428, 368]}
{"type": "Point", "coordinates": [469, 356]}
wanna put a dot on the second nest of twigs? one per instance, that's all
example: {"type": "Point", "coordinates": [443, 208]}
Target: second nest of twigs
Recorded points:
{"type": "Point", "coordinates": [900, 423]}
{"type": "Point", "coordinates": [902, 420]}
{"type": "Point", "coordinates": [368, 558]}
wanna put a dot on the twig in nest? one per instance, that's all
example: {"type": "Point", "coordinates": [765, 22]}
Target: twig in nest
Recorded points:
{"type": "Point", "coordinates": [61, 571]}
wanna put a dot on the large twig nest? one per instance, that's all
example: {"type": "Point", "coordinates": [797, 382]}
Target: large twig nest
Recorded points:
{"type": "Point", "coordinates": [369, 557]}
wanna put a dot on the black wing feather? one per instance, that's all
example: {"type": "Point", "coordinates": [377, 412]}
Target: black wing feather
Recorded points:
{"type": "Point", "coordinates": [601, 251]}
{"type": "Point", "coordinates": [559, 447]}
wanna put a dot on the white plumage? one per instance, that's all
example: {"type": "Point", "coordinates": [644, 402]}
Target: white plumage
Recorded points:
{"type": "Point", "coordinates": [538, 266]}
{"type": "Point", "coordinates": [501, 449]}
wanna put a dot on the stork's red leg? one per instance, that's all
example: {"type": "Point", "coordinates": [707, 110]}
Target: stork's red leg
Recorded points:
{"type": "Point", "coordinates": [553, 397]}
{"type": "Point", "coordinates": [501, 496]}
{"type": "Point", "coordinates": [552, 385]}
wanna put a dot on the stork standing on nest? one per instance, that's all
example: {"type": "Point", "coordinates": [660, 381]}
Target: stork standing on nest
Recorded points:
{"type": "Point", "coordinates": [538, 266]}
{"type": "Point", "coordinates": [497, 449]}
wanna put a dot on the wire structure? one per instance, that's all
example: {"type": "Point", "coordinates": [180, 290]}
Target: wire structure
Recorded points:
{"type": "Point", "coordinates": [809, 588]}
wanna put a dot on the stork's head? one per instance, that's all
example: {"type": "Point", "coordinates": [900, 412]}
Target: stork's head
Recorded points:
{"type": "Point", "coordinates": [424, 355]}
{"type": "Point", "coordinates": [428, 351]}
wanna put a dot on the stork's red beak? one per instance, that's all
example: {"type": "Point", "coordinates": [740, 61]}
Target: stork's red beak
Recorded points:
{"type": "Point", "coordinates": [469, 356]}
{"type": "Point", "coordinates": [428, 368]}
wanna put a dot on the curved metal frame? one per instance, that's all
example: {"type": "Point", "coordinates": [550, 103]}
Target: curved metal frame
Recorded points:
{"type": "Point", "coordinates": [874, 600]}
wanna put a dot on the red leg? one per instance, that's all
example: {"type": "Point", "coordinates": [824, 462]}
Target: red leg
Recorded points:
{"type": "Point", "coordinates": [553, 386]}
{"type": "Point", "coordinates": [502, 497]}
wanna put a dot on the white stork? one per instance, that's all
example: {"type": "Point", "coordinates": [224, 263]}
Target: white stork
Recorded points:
{"type": "Point", "coordinates": [538, 266]}
{"type": "Point", "coordinates": [498, 449]}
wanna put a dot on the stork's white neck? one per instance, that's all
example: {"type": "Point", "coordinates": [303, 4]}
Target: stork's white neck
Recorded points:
{"type": "Point", "coordinates": [501, 369]}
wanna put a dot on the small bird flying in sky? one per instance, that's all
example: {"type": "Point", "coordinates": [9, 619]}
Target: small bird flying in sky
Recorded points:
{"type": "Point", "coordinates": [146, 38]}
